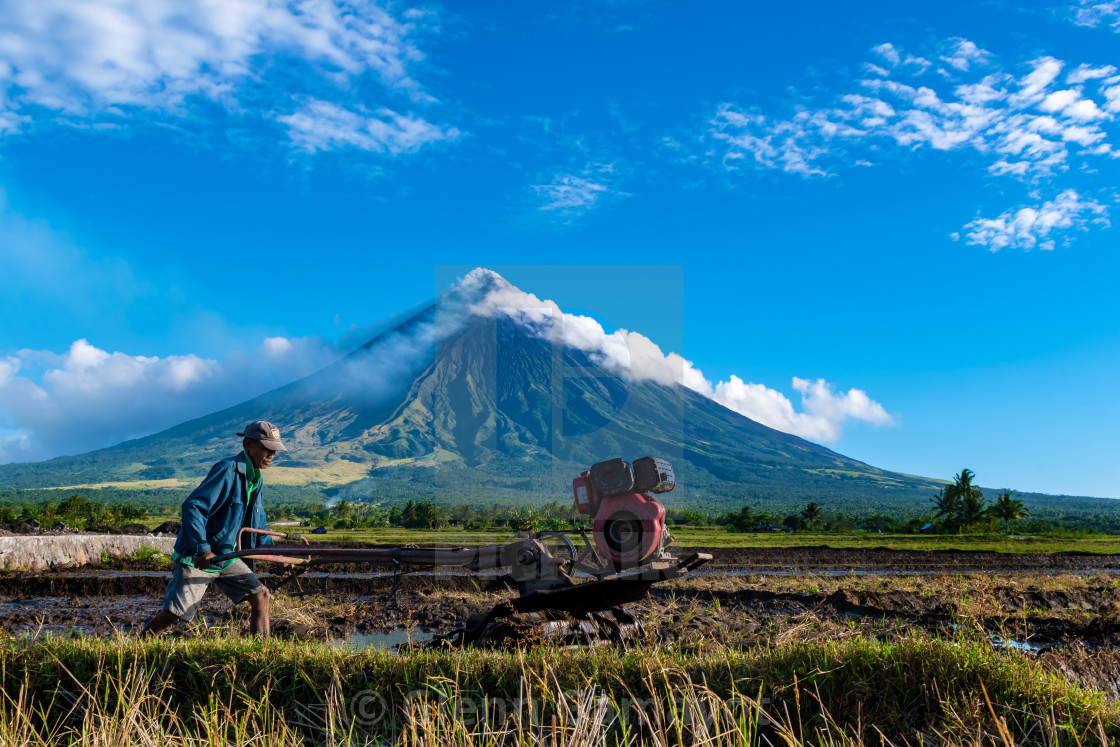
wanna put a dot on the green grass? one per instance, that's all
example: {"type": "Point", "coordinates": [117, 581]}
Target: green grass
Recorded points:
{"type": "Point", "coordinates": [719, 538]}
{"type": "Point", "coordinates": [401, 536]}
{"type": "Point", "coordinates": [967, 542]}
{"type": "Point", "coordinates": [856, 688]}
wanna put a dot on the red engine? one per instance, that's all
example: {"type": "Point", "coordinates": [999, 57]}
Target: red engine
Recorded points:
{"type": "Point", "coordinates": [628, 523]}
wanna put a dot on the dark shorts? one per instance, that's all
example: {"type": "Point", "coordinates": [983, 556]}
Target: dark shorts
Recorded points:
{"type": "Point", "coordinates": [188, 584]}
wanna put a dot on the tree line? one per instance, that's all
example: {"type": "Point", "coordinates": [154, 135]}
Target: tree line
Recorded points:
{"type": "Point", "coordinates": [77, 511]}
{"type": "Point", "coordinates": [960, 506]}
{"type": "Point", "coordinates": [344, 514]}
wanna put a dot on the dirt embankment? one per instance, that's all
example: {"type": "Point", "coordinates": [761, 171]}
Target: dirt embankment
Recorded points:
{"type": "Point", "coordinates": [129, 583]}
{"type": "Point", "coordinates": [831, 559]}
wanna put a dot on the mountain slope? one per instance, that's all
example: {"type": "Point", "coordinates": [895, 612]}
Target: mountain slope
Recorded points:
{"type": "Point", "coordinates": [491, 412]}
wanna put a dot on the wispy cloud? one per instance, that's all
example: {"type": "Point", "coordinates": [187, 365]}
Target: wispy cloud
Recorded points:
{"type": "Point", "coordinates": [1093, 14]}
{"type": "Point", "coordinates": [796, 145]}
{"type": "Point", "coordinates": [569, 194]}
{"type": "Point", "coordinates": [582, 172]}
{"type": "Point", "coordinates": [1025, 121]}
{"type": "Point", "coordinates": [323, 125]}
{"type": "Point", "coordinates": [1028, 125]}
{"type": "Point", "coordinates": [1042, 226]}
{"type": "Point", "coordinates": [120, 61]}
{"type": "Point", "coordinates": [963, 54]}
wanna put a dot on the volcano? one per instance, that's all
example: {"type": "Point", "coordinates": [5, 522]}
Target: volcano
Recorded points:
{"type": "Point", "coordinates": [460, 403]}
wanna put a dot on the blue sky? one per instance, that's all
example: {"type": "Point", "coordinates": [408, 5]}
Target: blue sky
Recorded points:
{"type": "Point", "coordinates": [912, 203]}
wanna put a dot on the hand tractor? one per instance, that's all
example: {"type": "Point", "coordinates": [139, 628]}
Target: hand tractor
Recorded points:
{"type": "Point", "coordinates": [571, 587]}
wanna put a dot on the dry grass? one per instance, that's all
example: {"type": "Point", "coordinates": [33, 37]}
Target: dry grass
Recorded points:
{"type": "Point", "coordinates": [224, 691]}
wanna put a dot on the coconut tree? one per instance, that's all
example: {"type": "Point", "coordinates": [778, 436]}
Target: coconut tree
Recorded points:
{"type": "Point", "coordinates": [1009, 509]}
{"type": "Point", "coordinates": [960, 503]}
{"type": "Point", "coordinates": [946, 505]}
{"type": "Point", "coordinates": [971, 497]}
{"type": "Point", "coordinates": [342, 509]}
{"type": "Point", "coordinates": [811, 513]}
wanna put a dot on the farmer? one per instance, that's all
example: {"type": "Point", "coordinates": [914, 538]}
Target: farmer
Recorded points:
{"type": "Point", "coordinates": [213, 515]}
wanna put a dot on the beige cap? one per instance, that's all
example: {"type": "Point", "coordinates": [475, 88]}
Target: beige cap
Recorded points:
{"type": "Point", "coordinates": [265, 432]}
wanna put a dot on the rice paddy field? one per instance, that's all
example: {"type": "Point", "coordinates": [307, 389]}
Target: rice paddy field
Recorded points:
{"type": "Point", "coordinates": [765, 646]}
{"type": "Point", "coordinates": [699, 537]}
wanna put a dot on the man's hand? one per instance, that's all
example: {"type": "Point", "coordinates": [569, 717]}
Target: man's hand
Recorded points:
{"type": "Point", "coordinates": [202, 560]}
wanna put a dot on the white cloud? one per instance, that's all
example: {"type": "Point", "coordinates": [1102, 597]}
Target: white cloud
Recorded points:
{"type": "Point", "coordinates": [323, 125]}
{"type": "Point", "coordinates": [997, 114]}
{"type": "Point", "coordinates": [573, 194]}
{"type": "Point", "coordinates": [87, 397]}
{"type": "Point", "coordinates": [795, 146]}
{"type": "Point", "coordinates": [1041, 226]}
{"type": "Point", "coordinates": [994, 115]}
{"type": "Point", "coordinates": [276, 346]}
{"type": "Point", "coordinates": [823, 415]}
{"type": "Point", "coordinates": [1093, 14]}
{"type": "Point", "coordinates": [964, 54]}
{"type": "Point", "coordinates": [632, 354]}
{"type": "Point", "coordinates": [116, 61]}
{"type": "Point", "coordinates": [888, 52]}
{"type": "Point", "coordinates": [1022, 121]}
{"type": "Point", "coordinates": [1088, 72]}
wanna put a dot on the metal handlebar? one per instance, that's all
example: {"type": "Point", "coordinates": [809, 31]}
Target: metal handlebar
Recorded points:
{"type": "Point", "coordinates": [272, 558]}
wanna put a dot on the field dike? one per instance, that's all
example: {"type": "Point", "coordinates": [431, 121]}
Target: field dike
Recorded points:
{"type": "Point", "coordinates": [220, 690]}
{"type": "Point", "coordinates": [49, 552]}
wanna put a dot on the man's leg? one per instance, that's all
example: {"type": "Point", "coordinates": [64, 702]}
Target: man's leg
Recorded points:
{"type": "Point", "coordinates": [258, 613]}
{"type": "Point", "coordinates": [159, 622]}
{"type": "Point", "coordinates": [184, 593]}
{"type": "Point", "coordinates": [239, 583]}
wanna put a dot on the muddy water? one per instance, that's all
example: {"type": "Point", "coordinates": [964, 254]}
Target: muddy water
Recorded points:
{"type": "Point", "coordinates": [827, 558]}
{"type": "Point", "coordinates": [745, 598]}
{"type": "Point", "coordinates": [391, 641]}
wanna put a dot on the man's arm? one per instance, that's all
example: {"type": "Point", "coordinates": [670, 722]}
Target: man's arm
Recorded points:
{"type": "Point", "coordinates": [197, 509]}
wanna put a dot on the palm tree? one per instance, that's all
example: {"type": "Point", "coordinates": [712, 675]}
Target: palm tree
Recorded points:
{"type": "Point", "coordinates": [1009, 509]}
{"type": "Point", "coordinates": [972, 498]}
{"type": "Point", "coordinates": [960, 502]}
{"type": "Point", "coordinates": [342, 509]}
{"type": "Point", "coordinates": [946, 504]}
{"type": "Point", "coordinates": [811, 514]}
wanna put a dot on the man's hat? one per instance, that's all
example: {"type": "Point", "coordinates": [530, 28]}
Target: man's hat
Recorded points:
{"type": "Point", "coordinates": [265, 432]}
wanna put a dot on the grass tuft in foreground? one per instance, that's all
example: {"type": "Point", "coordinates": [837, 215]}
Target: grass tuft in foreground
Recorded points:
{"type": "Point", "coordinates": [237, 691]}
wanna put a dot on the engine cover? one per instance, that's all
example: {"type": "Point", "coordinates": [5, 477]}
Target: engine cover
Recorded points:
{"type": "Point", "coordinates": [629, 528]}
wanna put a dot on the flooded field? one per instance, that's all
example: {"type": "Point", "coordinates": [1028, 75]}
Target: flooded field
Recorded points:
{"type": "Point", "coordinates": [743, 599]}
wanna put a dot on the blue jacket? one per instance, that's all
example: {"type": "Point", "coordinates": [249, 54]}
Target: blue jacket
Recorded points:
{"type": "Point", "coordinates": [216, 511]}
